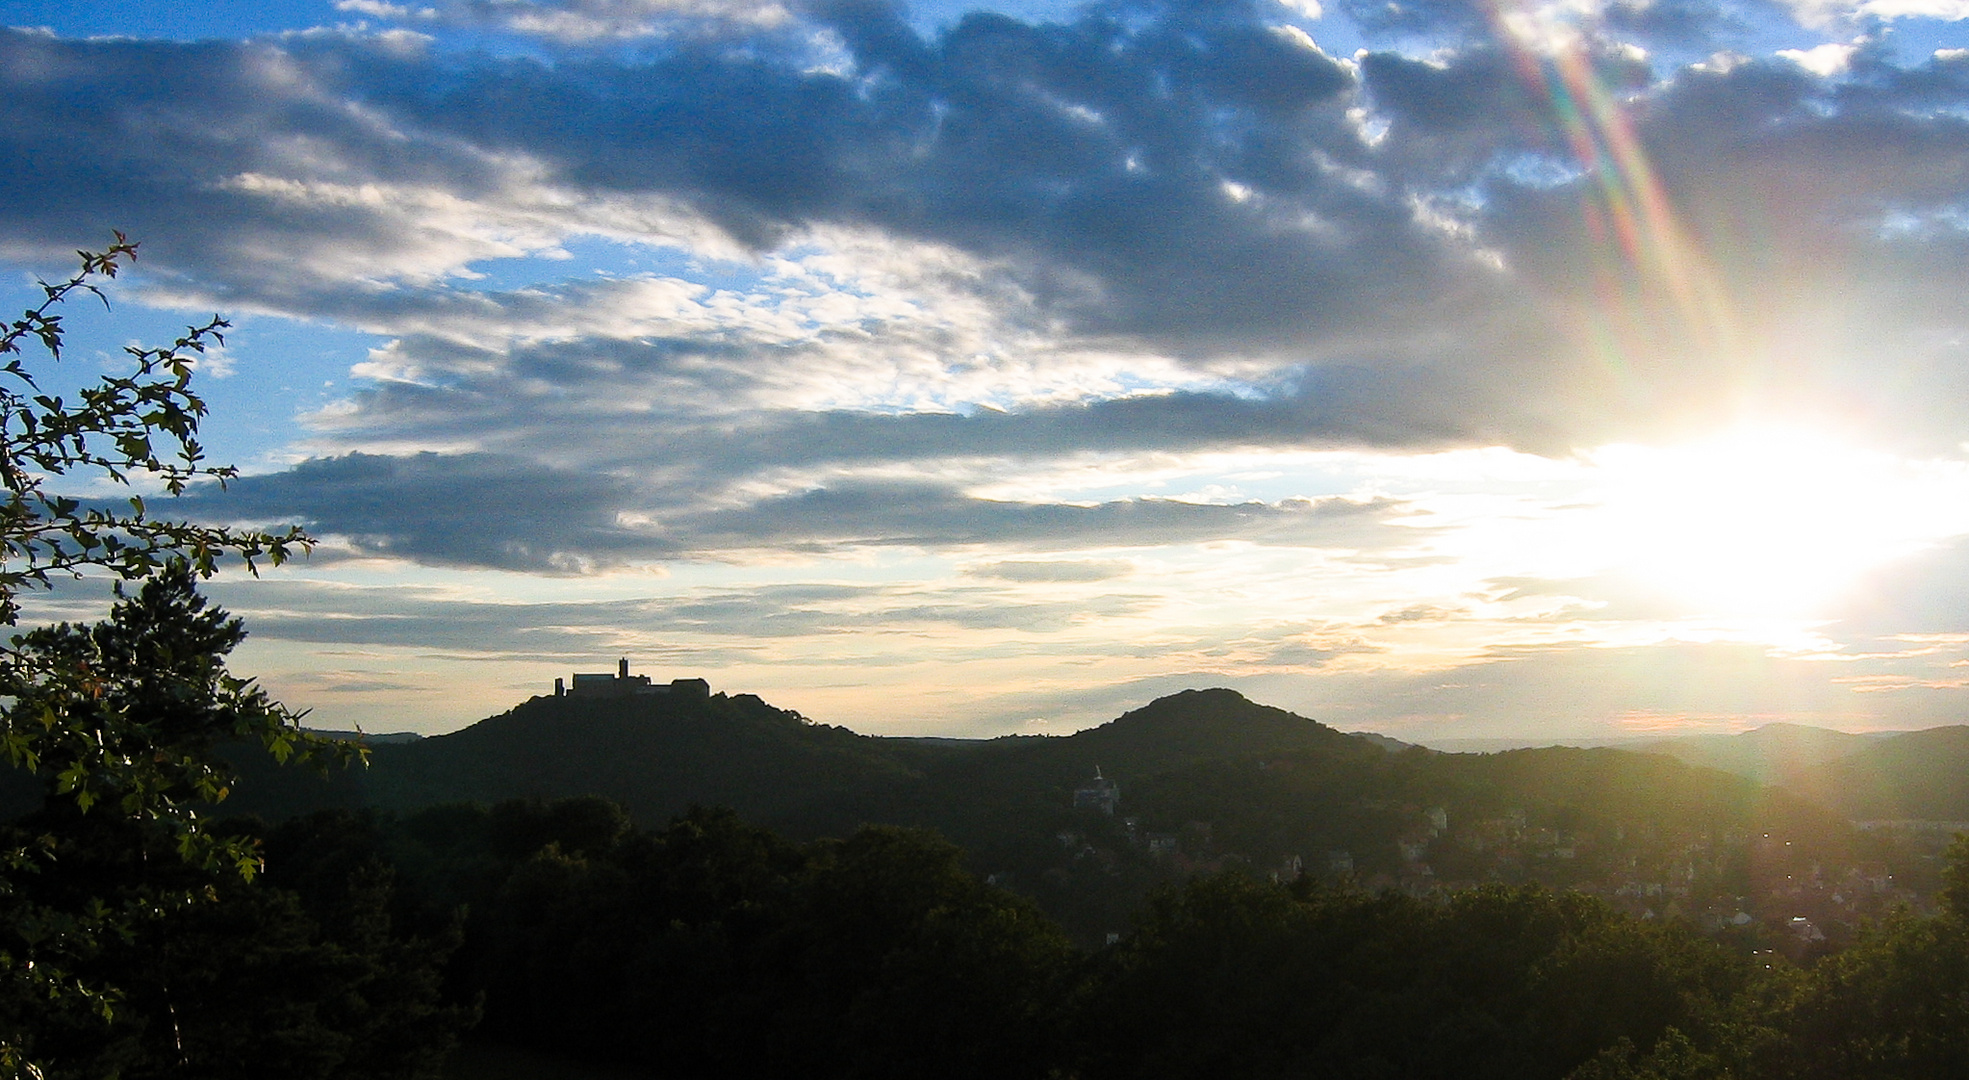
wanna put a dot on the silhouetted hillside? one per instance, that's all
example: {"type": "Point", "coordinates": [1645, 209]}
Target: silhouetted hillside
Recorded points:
{"type": "Point", "coordinates": [1196, 726]}
{"type": "Point", "coordinates": [1008, 800]}
{"type": "Point", "coordinates": [1385, 742]}
{"type": "Point", "coordinates": [655, 754]}
{"type": "Point", "coordinates": [658, 754]}
{"type": "Point", "coordinates": [1206, 780]}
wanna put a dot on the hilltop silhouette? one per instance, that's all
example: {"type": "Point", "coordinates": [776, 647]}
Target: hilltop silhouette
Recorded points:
{"type": "Point", "coordinates": [1209, 780]}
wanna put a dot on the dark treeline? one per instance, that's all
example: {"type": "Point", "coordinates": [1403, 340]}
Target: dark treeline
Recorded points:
{"type": "Point", "coordinates": [332, 972]}
{"type": "Point", "coordinates": [714, 948]}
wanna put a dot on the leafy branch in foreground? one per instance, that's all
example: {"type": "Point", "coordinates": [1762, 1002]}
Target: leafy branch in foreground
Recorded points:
{"type": "Point", "coordinates": [127, 427]}
{"type": "Point", "coordinates": [120, 719]}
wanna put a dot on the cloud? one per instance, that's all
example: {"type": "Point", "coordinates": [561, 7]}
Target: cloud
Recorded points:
{"type": "Point", "coordinates": [705, 620]}
{"type": "Point", "coordinates": [1825, 60]}
{"type": "Point", "coordinates": [486, 510]}
{"type": "Point", "coordinates": [577, 22]}
{"type": "Point", "coordinates": [1084, 167]}
{"type": "Point", "coordinates": [1315, 651]}
{"type": "Point", "coordinates": [1552, 692]}
{"type": "Point", "coordinates": [921, 515]}
{"type": "Point", "coordinates": [1417, 613]}
{"type": "Point", "coordinates": [1924, 594]}
{"type": "Point", "coordinates": [1063, 571]}
{"type": "Point", "coordinates": [1822, 13]}
{"type": "Point", "coordinates": [737, 284]}
{"type": "Point", "coordinates": [380, 169]}
{"type": "Point", "coordinates": [680, 409]}
{"type": "Point", "coordinates": [1568, 691]}
{"type": "Point", "coordinates": [470, 509]}
{"type": "Point", "coordinates": [356, 682]}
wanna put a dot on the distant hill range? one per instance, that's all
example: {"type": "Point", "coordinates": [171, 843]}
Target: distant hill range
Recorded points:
{"type": "Point", "coordinates": [1269, 782]}
{"type": "Point", "coordinates": [1909, 775]}
{"type": "Point", "coordinates": [1771, 754]}
{"type": "Point", "coordinates": [659, 753]}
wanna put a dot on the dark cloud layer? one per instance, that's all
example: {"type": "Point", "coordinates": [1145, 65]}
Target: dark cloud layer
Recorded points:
{"type": "Point", "coordinates": [927, 516]}
{"type": "Point", "coordinates": [424, 618]}
{"type": "Point", "coordinates": [490, 511]}
{"type": "Point", "coordinates": [469, 509]}
{"type": "Point", "coordinates": [1396, 250]}
{"type": "Point", "coordinates": [1324, 407]}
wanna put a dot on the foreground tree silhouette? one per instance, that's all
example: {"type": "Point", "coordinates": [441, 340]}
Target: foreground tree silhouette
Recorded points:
{"type": "Point", "coordinates": [1228, 976]}
{"type": "Point", "coordinates": [118, 719]}
{"type": "Point", "coordinates": [1896, 1004]}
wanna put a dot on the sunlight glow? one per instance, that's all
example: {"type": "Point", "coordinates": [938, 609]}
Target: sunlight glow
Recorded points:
{"type": "Point", "coordinates": [1770, 523]}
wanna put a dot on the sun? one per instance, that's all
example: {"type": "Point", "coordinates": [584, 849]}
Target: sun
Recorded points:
{"type": "Point", "coordinates": [1769, 521]}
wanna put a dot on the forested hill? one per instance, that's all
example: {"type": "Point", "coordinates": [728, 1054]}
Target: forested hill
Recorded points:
{"type": "Point", "coordinates": [1207, 780]}
{"type": "Point", "coordinates": [656, 755]}
{"type": "Point", "coordinates": [659, 754]}
{"type": "Point", "coordinates": [1200, 725]}
{"type": "Point", "coordinates": [1268, 783]}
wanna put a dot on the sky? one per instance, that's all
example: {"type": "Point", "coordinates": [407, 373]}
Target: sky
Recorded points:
{"type": "Point", "coordinates": [1525, 370]}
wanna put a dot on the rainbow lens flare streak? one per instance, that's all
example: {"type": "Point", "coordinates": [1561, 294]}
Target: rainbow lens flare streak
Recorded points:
{"type": "Point", "coordinates": [1641, 249]}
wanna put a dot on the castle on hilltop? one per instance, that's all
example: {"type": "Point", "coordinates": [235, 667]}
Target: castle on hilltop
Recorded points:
{"type": "Point", "coordinates": [623, 684]}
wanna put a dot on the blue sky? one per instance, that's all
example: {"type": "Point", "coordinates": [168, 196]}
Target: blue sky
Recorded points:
{"type": "Point", "coordinates": [1525, 370]}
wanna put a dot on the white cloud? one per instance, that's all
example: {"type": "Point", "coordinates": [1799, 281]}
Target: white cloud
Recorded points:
{"type": "Point", "coordinates": [1298, 37]}
{"type": "Point", "coordinates": [419, 234]}
{"type": "Point", "coordinates": [1822, 13]}
{"type": "Point", "coordinates": [582, 22]}
{"type": "Point", "coordinates": [1945, 10]}
{"type": "Point", "coordinates": [1824, 61]}
{"type": "Point", "coordinates": [378, 9]}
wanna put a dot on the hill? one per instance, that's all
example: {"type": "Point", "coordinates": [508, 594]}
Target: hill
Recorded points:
{"type": "Point", "coordinates": [658, 754]}
{"type": "Point", "coordinates": [1908, 775]}
{"type": "Point", "coordinates": [1920, 775]}
{"type": "Point", "coordinates": [654, 754]}
{"type": "Point", "coordinates": [1206, 780]}
{"type": "Point", "coordinates": [1772, 754]}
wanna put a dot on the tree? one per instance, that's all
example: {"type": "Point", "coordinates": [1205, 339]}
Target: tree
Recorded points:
{"type": "Point", "coordinates": [1895, 1004]}
{"type": "Point", "coordinates": [137, 426]}
{"type": "Point", "coordinates": [1228, 976]}
{"type": "Point", "coordinates": [119, 719]}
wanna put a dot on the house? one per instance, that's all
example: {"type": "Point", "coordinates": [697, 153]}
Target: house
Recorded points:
{"type": "Point", "coordinates": [623, 684]}
{"type": "Point", "coordinates": [1099, 793]}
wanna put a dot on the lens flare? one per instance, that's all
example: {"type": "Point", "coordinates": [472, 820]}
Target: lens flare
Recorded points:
{"type": "Point", "coordinates": [1642, 252]}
